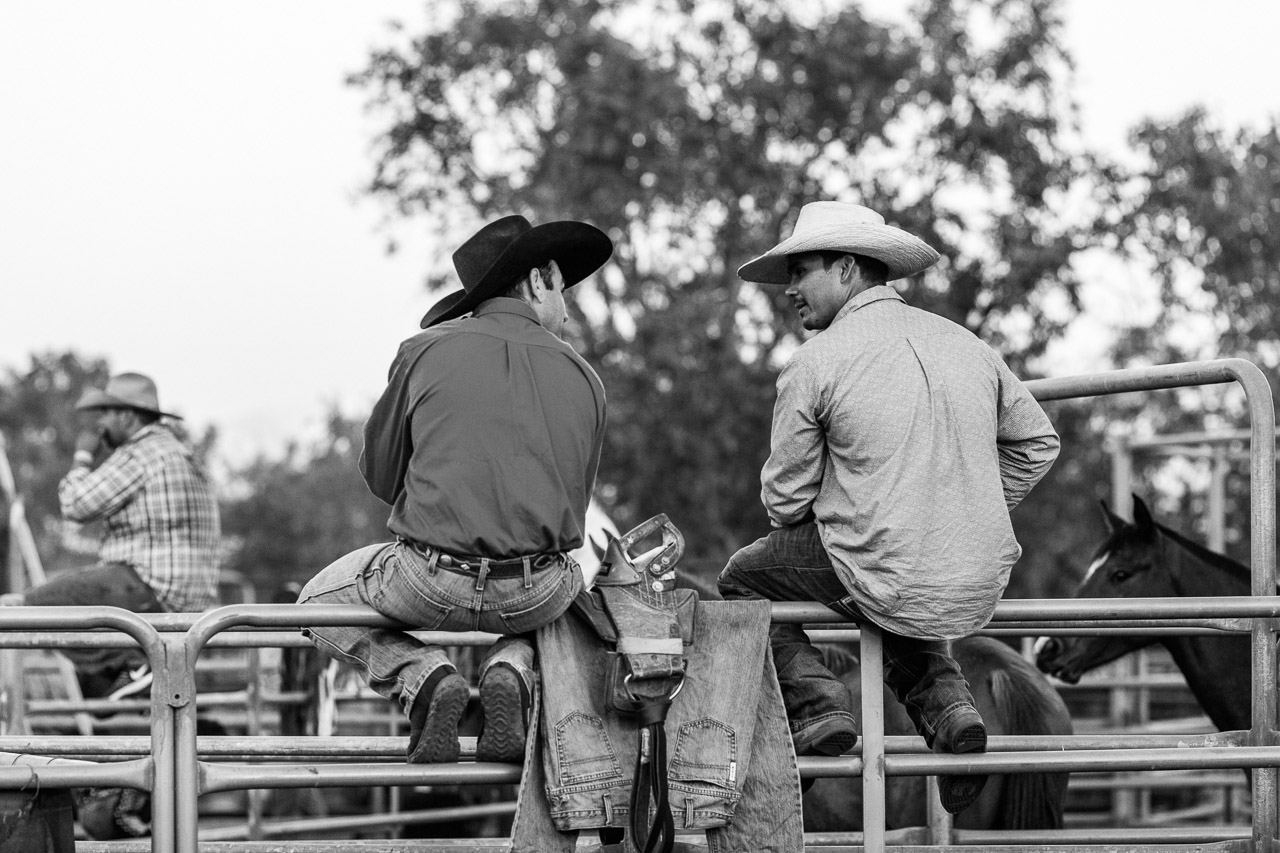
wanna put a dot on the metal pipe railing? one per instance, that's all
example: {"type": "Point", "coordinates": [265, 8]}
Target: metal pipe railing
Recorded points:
{"type": "Point", "coordinates": [174, 641]}
{"type": "Point", "coordinates": [158, 777]}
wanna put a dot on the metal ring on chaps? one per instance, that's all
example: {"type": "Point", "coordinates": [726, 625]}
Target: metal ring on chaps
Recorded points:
{"type": "Point", "coordinates": [635, 607]}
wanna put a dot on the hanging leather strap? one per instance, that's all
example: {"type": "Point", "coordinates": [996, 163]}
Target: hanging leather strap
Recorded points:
{"type": "Point", "coordinates": [651, 781]}
{"type": "Point", "coordinates": [635, 608]}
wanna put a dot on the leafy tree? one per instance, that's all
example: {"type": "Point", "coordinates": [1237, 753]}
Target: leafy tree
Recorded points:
{"type": "Point", "coordinates": [1205, 215]}
{"type": "Point", "coordinates": [290, 517]}
{"type": "Point", "coordinates": [693, 133]}
{"type": "Point", "coordinates": [1202, 213]}
{"type": "Point", "coordinates": [39, 422]}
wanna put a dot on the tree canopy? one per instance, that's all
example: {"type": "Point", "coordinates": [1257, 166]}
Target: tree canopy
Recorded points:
{"type": "Point", "coordinates": [693, 133]}
{"type": "Point", "coordinates": [286, 518]}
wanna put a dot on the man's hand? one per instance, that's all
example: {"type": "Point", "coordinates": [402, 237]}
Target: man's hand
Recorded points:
{"type": "Point", "coordinates": [89, 442]}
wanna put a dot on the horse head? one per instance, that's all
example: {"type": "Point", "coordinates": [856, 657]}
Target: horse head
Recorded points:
{"type": "Point", "coordinates": [1128, 564]}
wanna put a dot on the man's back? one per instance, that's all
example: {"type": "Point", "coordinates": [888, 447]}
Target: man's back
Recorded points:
{"type": "Point", "coordinates": [159, 513]}
{"type": "Point", "coordinates": [910, 410]}
{"type": "Point", "coordinates": [504, 427]}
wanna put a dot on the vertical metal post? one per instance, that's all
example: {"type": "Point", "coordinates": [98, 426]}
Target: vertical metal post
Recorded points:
{"type": "Point", "coordinates": [1123, 714]}
{"type": "Point", "coordinates": [871, 652]}
{"type": "Point", "coordinates": [1121, 479]}
{"type": "Point", "coordinates": [253, 686]}
{"type": "Point", "coordinates": [939, 821]}
{"type": "Point", "coordinates": [164, 783]}
{"type": "Point", "coordinates": [185, 759]}
{"type": "Point", "coordinates": [1262, 563]}
{"type": "Point", "coordinates": [1217, 498]}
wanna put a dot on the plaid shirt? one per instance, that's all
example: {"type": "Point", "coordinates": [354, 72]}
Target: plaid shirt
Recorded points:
{"type": "Point", "coordinates": [160, 515]}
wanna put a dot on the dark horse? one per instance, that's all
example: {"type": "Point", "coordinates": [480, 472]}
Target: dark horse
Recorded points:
{"type": "Point", "coordinates": [1148, 560]}
{"type": "Point", "coordinates": [1013, 699]}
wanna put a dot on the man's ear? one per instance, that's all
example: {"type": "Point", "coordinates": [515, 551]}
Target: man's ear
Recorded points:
{"type": "Point", "coordinates": [848, 267]}
{"type": "Point", "coordinates": [536, 284]}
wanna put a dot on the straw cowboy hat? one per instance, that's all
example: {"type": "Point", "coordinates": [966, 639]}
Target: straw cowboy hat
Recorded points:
{"type": "Point", "coordinates": [126, 391]}
{"type": "Point", "coordinates": [506, 249]}
{"type": "Point", "coordinates": [842, 227]}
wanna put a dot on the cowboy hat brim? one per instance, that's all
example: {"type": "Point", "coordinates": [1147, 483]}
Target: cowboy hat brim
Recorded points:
{"type": "Point", "coordinates": [578, 248]}
{"type": "Point", "coordinates": [904, 254]}
{"type": "Point", "coordinates": [96, 398]}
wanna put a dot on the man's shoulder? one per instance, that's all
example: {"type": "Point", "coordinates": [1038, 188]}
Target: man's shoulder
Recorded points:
{"type": "Point", "coordinates": [427, 337]}
{"type": "Point", "coordinates": [157, 445]}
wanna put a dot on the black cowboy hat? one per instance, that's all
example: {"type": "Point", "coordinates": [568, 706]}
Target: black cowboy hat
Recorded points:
{"type": "Point", "coordinates": [506, 249]}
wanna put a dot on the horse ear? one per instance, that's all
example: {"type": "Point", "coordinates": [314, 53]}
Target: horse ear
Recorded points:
{"type": "Point", "coordinates": [1142, 516]}
{"type": "Point", "coordinates": [1109, 518]}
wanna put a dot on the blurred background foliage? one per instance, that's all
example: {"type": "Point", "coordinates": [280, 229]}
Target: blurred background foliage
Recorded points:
{"type": "Point", "coordinates": [693, 140]}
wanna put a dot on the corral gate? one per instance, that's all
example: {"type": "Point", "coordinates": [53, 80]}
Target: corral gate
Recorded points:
{"type": "Point", "coordinates": [170, 767]}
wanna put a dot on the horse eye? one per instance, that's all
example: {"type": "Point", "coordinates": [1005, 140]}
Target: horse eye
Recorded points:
{"type": "Point", "coordinates": [1120, 576]}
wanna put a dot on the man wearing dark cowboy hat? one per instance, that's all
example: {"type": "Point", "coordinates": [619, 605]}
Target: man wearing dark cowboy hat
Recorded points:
{"type": "Point", "coordinates": [159, 549]}
{"type": "Point", "coordinates": [485, 443]}
{"type": "Point", "coordinates": [900, 443]}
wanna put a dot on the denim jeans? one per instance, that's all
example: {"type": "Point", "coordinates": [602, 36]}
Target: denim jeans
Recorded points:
{"type": "Point", "coordinates": [731, 769]}
{"type": "Point", "coordinates": [106, 584]}
{"type": "Point", "coordinates": [400, 582]}
{"type": "Point", "coordinates": [790, 564]}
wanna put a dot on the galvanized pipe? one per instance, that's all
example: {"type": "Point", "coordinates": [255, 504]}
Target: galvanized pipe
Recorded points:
{"type": "Point", "coordinates": [233, 777]}
{"type": "Point", "coordinates": [278, 828]}
{"type": "Point", "coordinates": [160, 767]}
{"type": "Point", "coordinates": [1262, 510]}
{"type": "Point", "coordinates": [873, 757]}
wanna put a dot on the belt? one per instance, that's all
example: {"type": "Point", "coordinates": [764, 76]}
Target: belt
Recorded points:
{"type": "Point", "coordinates": [469, 565]}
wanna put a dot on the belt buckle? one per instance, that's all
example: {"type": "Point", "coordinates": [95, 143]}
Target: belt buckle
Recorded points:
{"type": "Point", "coordinates": [450, 561]}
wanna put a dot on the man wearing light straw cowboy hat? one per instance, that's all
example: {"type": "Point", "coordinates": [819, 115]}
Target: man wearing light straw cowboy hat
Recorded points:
{"type": "Point", "coordinates": [159, 549]}
{"type": "Point", "coordinates": [900, 443]}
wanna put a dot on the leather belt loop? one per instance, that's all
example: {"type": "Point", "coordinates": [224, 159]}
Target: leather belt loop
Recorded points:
{"type": "Point", "coordinates": [528, 572]}
{"type": "Point", "coordinates": [484, 572]}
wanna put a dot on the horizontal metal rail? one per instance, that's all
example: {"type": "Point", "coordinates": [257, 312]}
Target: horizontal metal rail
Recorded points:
{"type": "Point", "coordinates": [173, 642]}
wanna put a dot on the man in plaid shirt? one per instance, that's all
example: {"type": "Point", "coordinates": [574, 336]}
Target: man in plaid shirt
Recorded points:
{"type": "Point", "coordinates": [159, 549]}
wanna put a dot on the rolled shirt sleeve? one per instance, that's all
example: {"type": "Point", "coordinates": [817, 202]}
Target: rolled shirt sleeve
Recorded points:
{"type": "Point", "coordinates": [1025, 440]}
{"type": "Point", "coordinates": [792, 475]}
{"type": "Point", "coordinates": [87, 495]}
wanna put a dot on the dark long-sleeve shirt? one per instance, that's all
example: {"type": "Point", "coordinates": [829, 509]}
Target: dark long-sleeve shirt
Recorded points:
{"type": "Point", "coordinates": [487, 438]}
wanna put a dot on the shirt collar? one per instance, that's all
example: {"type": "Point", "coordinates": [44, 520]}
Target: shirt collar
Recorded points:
{"type": "Point", "coordinates": [871, 294]}
{"type": "Point", "coordinates": [506, 305]}
{"type": "Point", "coordinates": [143, 433]}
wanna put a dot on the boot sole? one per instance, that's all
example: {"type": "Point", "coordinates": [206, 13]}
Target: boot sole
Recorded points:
{"type": "Point", "coordinates": [438, 743]}
{"type": "Point", "coordinates": [503, 736]}
{"type": "Point", "coordinates": [834, 745]}
{"type": "Point", "coordinates": [957, 793]}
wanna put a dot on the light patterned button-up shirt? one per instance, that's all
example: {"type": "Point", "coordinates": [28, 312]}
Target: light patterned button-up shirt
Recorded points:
{"type": "Point", "coordinates": [159, 513]}
{"type": "Point", "coordinates": [908, 440]}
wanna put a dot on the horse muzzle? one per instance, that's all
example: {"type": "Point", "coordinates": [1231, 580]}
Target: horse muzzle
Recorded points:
{"type": "Point", "coordinates": [1054, 658]}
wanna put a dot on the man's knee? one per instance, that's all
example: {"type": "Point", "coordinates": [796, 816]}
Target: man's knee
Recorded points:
{"type": "Point", "coordinates": [733, 580]}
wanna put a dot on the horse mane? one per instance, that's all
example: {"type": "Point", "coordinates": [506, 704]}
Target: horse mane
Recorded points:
{"type": "Point", "coordinates": [1205, 555]}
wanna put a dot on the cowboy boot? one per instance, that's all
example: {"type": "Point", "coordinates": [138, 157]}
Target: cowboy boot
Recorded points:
{"type": "Point", "coordinates": [961, 732]}
{"type": "Point", "coordinates": [434, 718]}
{"type": "Point", "coordinates": [504, 700]}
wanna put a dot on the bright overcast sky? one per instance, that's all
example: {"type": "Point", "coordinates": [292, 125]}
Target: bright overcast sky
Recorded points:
{"type": "Point", "coordinates": [179, 182]}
